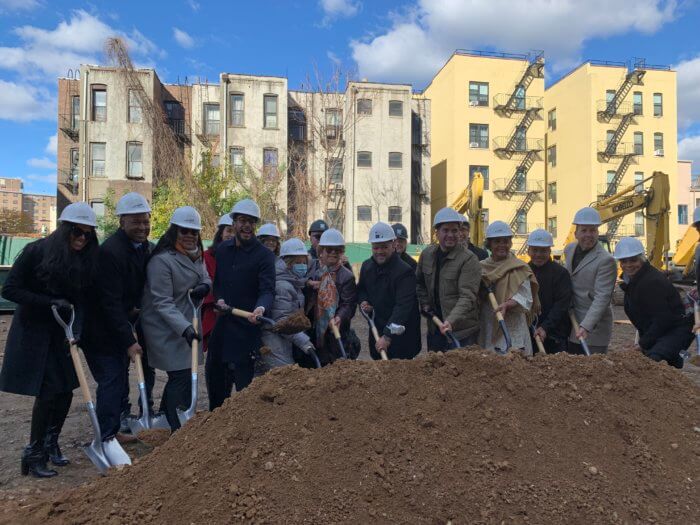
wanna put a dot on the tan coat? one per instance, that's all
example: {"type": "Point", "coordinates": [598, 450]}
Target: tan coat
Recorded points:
{"type": "Point", "coordinates": [460, 277]}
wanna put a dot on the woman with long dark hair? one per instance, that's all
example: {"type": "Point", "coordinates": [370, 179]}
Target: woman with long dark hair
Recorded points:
{"type": "Point", "coordinates": [175, 268]}
{"type": "Point", "coordinates": [55, 271]}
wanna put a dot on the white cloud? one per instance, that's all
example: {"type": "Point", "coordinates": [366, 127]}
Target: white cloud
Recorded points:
{"type": "Point", "coordinates": [52, 145]}
{"type": "Point", "coordinates": [334, 9]}
{"type": "Point", "coordinates": [688, 73]}
{"type": "Point", "coordinates": [689, 149]}
{"type": "Point", "coordinates": [421, 40]}
{"type": "Point", "coordinates": [23, 102]}
{"type": "Point", "coordinates": [49, 178]}
{"type": "Point", "coordinates": [182, 38]}
{"type": "Point", "coordinates": [18, 5]}
{"type": "Point", "coordinates": [43, 162]}
{"type": "Point", "coordinates": [333, 58]}
{"type": "Point", "coordinates": [193, 5]}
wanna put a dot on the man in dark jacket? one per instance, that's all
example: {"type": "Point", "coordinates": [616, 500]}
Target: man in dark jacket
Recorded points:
{"type": "Point", "coordinates": [388, 287]}
{"type": "Point", "coordinates": [464, 231]}
{"type": "Point", "coordinates": [315, 231]}
{"type": "Point", "coordinates": [401, 243]}
{"type": "Point", "coordinates": [244, 279]}
{"type": "Point", "coordinates": [110, 341]}
{"type": "Point", "coordinates": [553, 324]}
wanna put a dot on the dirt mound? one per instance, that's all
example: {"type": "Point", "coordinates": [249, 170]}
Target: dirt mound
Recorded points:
{"type": "Point", "coordinates": [466, 437]}
{"type": "Point", "coordinates": [154, 437]}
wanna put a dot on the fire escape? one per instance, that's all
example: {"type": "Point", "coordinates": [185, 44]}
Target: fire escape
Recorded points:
{"type": "Point", "coordinates": [613, 147]}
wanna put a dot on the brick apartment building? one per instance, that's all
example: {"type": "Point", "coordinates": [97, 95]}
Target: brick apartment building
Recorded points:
{"type": "Point", "coordinates": [41, 208]}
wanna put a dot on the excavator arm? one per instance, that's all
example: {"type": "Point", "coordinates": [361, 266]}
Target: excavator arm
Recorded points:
{"type": "Point", "coordinates": [470, 201]}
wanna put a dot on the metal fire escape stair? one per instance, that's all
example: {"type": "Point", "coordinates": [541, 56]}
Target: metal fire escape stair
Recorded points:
{"type": "Point", "coordinates": [336, 200]}
{"type": "Point", "coordinates": [534, 70]}
{"type": "Point", "coordinates": [520, 174]}
{"type": "Point", "coordinates": [619, 133]}
{"type": "Point", "coordinates": [633, 78]}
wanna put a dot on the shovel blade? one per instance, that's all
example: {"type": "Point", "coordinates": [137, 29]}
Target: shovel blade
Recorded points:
{"type": "Point", "coordinates": [139, 425]}
{"type": "Point", "coordinates": [160, 421]}
{"type": "Point", "coordinates": [95, 454]}
{"type": "Point", "coordinates": [114, 453]}
{"type": "Point", "coordinates": [184, 415]}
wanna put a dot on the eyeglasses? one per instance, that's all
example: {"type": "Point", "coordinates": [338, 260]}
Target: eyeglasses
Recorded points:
{"type": "Point", "coordinates": [77, 232]}
{"type": "Point", "coordinates": [316, 236]}
{"type": "Point", "coordinates": [188, 231]}
{"type": "Point", "coordinates": [334, 249]}
{"type": "Point", "coordinates": [245, 220]}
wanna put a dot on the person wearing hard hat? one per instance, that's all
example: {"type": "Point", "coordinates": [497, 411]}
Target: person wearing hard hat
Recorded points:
{"type": "Point", "coordinates": [653, 305]}
{"type": "Point", "coordinates": [113, 332]}
{"type": "Point", "coordinates": [387, 286]}
{"type": "Point", "coordinates": [291, 267]}
{"type": "Point", "coordinates": [175, 271]}
{"type": "Point", "coordinates": [269, 236]}
{"type": "Point", "coordinates": [315, 231]}
{"type": "Point", "coordinates": [593, 275]}
{"type": "Point", "coordinates": [55, 272]}
{"type": "Point", "coordinates": [245, 279]}
{"type": "Point", "coordinates": [401, 244]}
{"type": "Point", "coordinates": [464, 231]}
{"type": "Point", "coordinates": [515, 287]}
{"type": "Point", "coordinates": [213, 370]}
{"type": "Point", "coordinates": [553, 324]}
{"type": "Point", "coordinates": [331, 298]}
{"type": "Point", "coordinates": [447, 284]}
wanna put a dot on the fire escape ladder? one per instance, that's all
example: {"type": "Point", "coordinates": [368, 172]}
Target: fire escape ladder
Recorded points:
{"type": "Point", "coordinates": [519, 175]}
{"type": "Point", "coordinates": [522, 127]}
{"type": "Point", "coordinates": [619, 175]}
{"type": "Point", "coordinates": [633, 78]}
{"type": "Point", "coordinates": [619, 133]}
{"type": "Point", "coordinates": [613, 225]}
{"type": "Point", "coordinates": [524, 206]}
{"type": "Point", "coordinates": [534, 70]}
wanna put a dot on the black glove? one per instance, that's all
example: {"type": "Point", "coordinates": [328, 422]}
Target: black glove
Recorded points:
{"type": "Point", "coordinates": [190, 335]}
{"type": "Point", "coordinates": [63, 306]}
{"type": "Point", "coordinates": [199, 292]}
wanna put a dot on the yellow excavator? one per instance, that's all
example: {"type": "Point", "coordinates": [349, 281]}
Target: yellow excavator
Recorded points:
{"type": "Point", "coordinates": [470, 201]}
{"type": "Point", "coordinates": [682, 261]}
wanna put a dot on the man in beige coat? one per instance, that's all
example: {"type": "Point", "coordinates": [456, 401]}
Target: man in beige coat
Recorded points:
{"type": "Point", "coordinates": [448, 277]}
{"type": "Point", "coordinates": [593, 275]}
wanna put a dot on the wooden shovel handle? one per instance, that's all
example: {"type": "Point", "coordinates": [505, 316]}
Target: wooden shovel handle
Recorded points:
{"type": "Point", "coordinates": [696, 310]}
{"type": "Point", "coordinates": [195, 344]}
{"type": "Point", "coordinates": [240, 313]}
{"type": "Point", "coordinates": [494, 305]}
{"type": "Point", "coordinates": [80, 372]}
{"type": "Point", "coordinates": [335, 330]}
{"type": "Point", "coordinates": [538, 342]}
{"type": "Point", "coordinates": [437, 321]}
{"type": "Point", "coordinates": [139, 369]}
{"type": "Point", "coordinates": [375, 333]}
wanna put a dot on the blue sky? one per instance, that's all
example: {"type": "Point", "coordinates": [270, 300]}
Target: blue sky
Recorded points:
{"type": "Point", "coordinates": [390, 40]}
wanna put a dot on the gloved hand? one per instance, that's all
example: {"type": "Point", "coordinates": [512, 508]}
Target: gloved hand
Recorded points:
{"type": "Point", "coordinates": [63, 306]}
{"type": "Point", "coordinates": [190, 335]}
{"type": "Point", "coordinates": [199, 292]}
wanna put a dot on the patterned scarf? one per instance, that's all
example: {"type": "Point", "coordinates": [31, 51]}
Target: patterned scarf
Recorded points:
{"type": "Point", "coordinates": [327, 302]}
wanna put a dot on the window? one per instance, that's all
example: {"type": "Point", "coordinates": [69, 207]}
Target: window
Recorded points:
{"type": "Point", "coordinates": [520, 180]}
{"type": "Point", "coordinates": [99, 104]}
{"type": "Point", "coordinates": [638, 181]}
{"type": "Point", "coordinates": [520, 139]}
{"type": "Point", "coordinates": [638, 224]}
{"type": "Point", "coordinates": [609, 179]}
{"type": "Point", "coordinates": [520, 97]}
{"type": "Point", "coordinates": [364, 159]}
{"type": "Point", "coordinates": [637, 106]}
{"type": "Point", "coordinates": [334, 126]}
{"type": "Point", "coordinates": [609, 96]}
{"type": "Point", "coordinates": [297, 124]}
{"type": "Point", "coordinates": [395, 108]}
{"type": "Point", "coordinates": [135, 114]}
{"type": "Point", "coordinates": [364, 106]}
{"type": "Point", "coordinates": [269, 163]}
{"type": "Point", "coordinates": [97, 159]}
{"type": "Point", "coordinates": [609, 135]}
{"type": "Point", "coordinates": [659, 144]}
{"type": "Point", "coordinates": [552, 226]}
{"type": "Point", "coordinates": [552, 192]}
{"type": "Point", "coordinates": [74, 164]}
{"type": "Point", "coordinates": [478, 93]}
{"type": "Point", "coordinates": [211, 119]}
{"type": "Point", "coordinates": [552, 119]}
{"type": "Point", "coordinates": [335, 171]}
{"type": "Point", "coordinates": [237, 109]}
{"type": "Point", "coordinates": [394, 214]}
{"type": "Point", "coordinates": [521, 222]}
{"type": "Point", "coordinates": [658, 105]}
{"type": "Point", "coordinates": [75, 112]}
{"type": "Point", "coordinates": [682, 214]}
{"type": "Point", "coordinates": [479, 136]}
{"type": "Point", "coordinates": [364, 213]}
{"type": "Point", "coordinates": [484, 170]}
{"type": "Point", "coordinates": [638, 143]}
{"type": "Point", "coordinates": [395, 159]}
{"type": "Point", "coordinates": [134, 153]}
{"type": "Point", "coordinates": [237, 160]}
{"type": "Point", "coordinates": [552, 155]}
{"type": "Point", "coordinates": [270, 111]}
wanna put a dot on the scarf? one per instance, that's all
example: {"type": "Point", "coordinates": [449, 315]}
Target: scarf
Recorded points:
{"type": "Point", "coordinates": [191, 255]}
{"type": "Point", "coordinates": [327, 302]}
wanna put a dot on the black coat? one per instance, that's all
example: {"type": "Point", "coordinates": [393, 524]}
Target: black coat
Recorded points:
{"type": "Point", "coordinates": [410, 261]}
{"type": "Point", "coordinates": [37, 359]}
{"type": "Point", "coordinates": [653, 305]}
{"type": "Point", "coordinates": [244, 279]}
{"type": "Point", "coordinates": [115, 296]}
{"type": "Point", "coordinates": [391, 290]}
{"type": "Point", "coordinates": [480, 253]}
{"type": "Point", "coordinates": [555, 295]}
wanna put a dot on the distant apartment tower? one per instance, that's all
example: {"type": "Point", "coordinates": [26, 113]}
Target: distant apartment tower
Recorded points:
{"type": "Point", "coordinates": [487, 116]}
{"type": "Point", "coordinates": [41, 209]}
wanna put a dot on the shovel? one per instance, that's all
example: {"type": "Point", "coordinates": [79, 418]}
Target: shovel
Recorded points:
{"type": "Point", "coordinates": [501, 321]}
{"type": "Point", "coordinates": [102, 454]}
{"type": "Point", "coordinates": [695, 360]}
{"type": "Point", "coordinates": [574, 324]}
{"type": "Point", "coordinates": [292, 324]}
{"type": "Point", "coordinates": [185, 416]}
{"type": "Point", "coordinates": [336, 334]}
{"type": "Point", "coordinates": [537, 338]}
{"type": "Point", "coordinates": [375, 333]}
{"type": "Point", "coordinates": [438, 322]}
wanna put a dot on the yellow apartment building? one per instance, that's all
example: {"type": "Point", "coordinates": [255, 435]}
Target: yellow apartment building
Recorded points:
{"type": "Point", "coordinates": [609, 126]}
{"type": "Point", "coordinates": [487, 115]}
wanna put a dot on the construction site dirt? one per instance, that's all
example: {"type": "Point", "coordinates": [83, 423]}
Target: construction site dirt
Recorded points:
{"type": "Point", "coordinates": [466, 437]}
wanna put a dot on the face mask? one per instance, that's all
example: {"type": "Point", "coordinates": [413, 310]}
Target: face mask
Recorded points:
{"type": "Point", "coordinates": [300, 269]}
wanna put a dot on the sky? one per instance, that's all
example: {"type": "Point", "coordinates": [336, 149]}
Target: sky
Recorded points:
{"type": "Point", "coordinates": [381, 40]}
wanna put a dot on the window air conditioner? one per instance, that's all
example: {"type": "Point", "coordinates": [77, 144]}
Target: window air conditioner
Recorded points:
{"type": "Point", "coordinates": [473, 144]}
{"type": "Point", "coordinates": [473, 102]}
{"type": "Point", "coordinates": [659, 153]}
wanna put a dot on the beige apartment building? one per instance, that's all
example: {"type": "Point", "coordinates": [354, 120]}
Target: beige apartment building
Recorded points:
{"type": "Point", "coordinates": [688, 195]}
{"type": "Point", "coordinates": [40, 208]}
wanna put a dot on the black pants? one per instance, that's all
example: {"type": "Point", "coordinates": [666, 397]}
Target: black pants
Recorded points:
{"type": "Point", "coordinates": [668, 347]}
{"type": "Point", "coordinates": [176, 394]}
{"type": "Point", "coordinates": [219, 378]}
{"type": "Point", "coordinates": [48, 415]}
{"type": "Point", "coordinates": [441, 343]}
{"type": "Point", "coordinates": [111, 372]}
{"type": "Point", "coordinates": [149, 376]}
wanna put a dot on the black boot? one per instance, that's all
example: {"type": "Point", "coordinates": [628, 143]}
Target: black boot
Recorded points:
{"type": "Point", "coordinates": [53, 451]}
{"type": "Point", "coordinates": [59, 412]}
{"type": "Point", "coordinates": [34, 461]}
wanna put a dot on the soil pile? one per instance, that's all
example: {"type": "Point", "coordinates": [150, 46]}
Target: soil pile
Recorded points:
{"type": "Point", "coordinates": [466, 437]}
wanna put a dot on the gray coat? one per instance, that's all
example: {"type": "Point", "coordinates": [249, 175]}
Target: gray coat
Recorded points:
{"type": "Point", "coordinates": [593, 283]}
{"type": "Point", "coordinates": [166, 311]}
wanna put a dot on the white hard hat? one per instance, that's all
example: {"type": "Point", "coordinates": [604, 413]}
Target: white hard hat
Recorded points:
{"type": "Point", "coordinates": [465, 219]}
{"type": "Point", "coordinates": [331, 237]}
{"type": "Point", "coordinates": [246, 207]}
{"type": "Point", "coordinates": [381, 232]}
{"type": "Point", "coordinates": [269, 229]}
{"type": "Point", "coordinates": [225, 220]}
{"type": "Point", "coordinates": [132, 202]}
{"type": "Point", "coordinates": [541, 238]}
{"type": "Point", "coordinates": [79, 213]}
{"type": "Point", "coordinates": [696, 215]}
{"type": "Point", "coordinates": [587, 217]}
{"type": "Point", "coordinates": [292, 246]}
{"type": "Point", "coordinates": [628, 247]}
{"type": "Point", "coordinates": [447, 215]}
{"type": "Point", "coordinates": [498, 229]}
{"type": "Point", "coordinates": [186, 217]}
